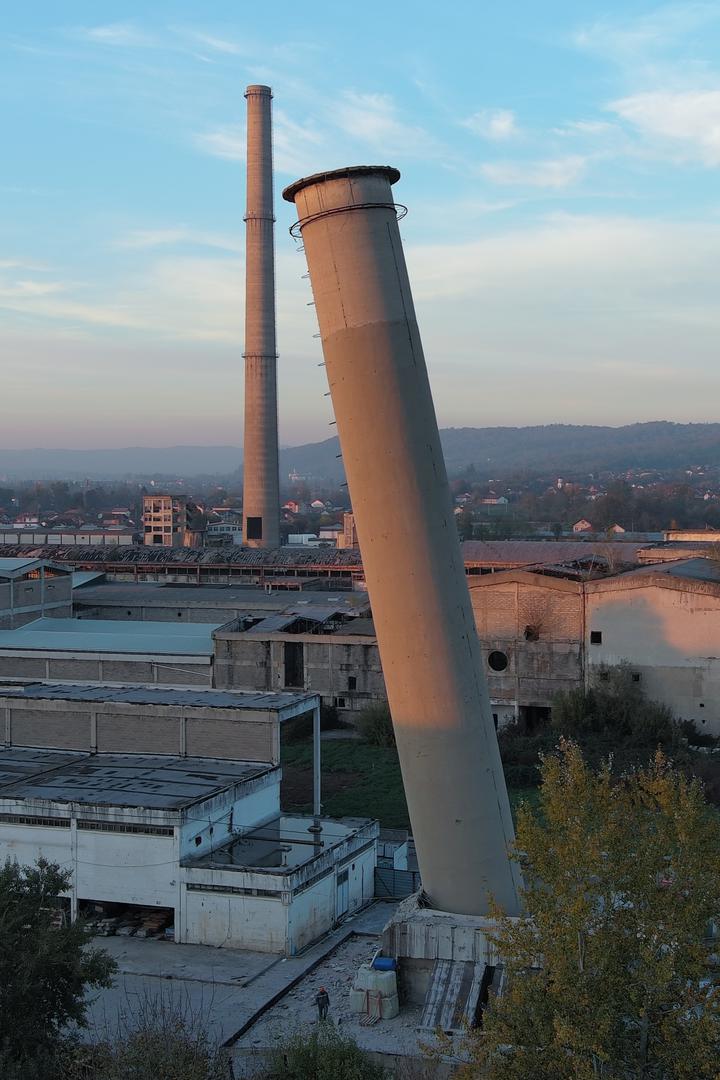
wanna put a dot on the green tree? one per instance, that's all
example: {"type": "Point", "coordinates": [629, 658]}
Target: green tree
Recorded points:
{"type": "Point", "coordinates": [45, 970]}
{"type": "Point", "coordinates": [323, 1054]}
{"type": "Point", "coordinates": [607, 974]}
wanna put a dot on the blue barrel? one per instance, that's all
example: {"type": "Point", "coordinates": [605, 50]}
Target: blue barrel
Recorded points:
{"type": "Point", "coordinates": [384, 963]}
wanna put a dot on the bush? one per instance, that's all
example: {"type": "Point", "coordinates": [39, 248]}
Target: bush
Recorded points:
{"type": "Point", "coordinates": [615, 706]}
{"type": "Point", "coordinates": [375, 725]}
{"type": "Point", "coordinates": [322, 1055]}
{"type": "Point", "coordinates": [158, 1036]}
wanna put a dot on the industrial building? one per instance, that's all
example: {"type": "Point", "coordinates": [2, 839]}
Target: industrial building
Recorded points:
{"type": "Point", "coordinates": [147, 719]}
{"type": "Point", "coordinates": [198, 839]}
{"type": "Point", "coordinates": [164, 521]}
{"type": "Point", "coordinates": [295, 567]}
{"type": "Point", "coordinates": [158, 602]}
{"type": "Point", "coordinates": [530, 625]}
{"type": "Point", "coordinates": [32, 589]}
{"type": "Point", "coordinates": [109, 651]}
{"type": "Point", "coordinates": [65, 537]}
{"type": "Point", "coordinates": [664, 621]}
{"type": "Point", "coordinates": [339, 660]}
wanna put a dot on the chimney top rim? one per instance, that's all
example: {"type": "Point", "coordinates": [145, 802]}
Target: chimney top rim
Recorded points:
{"type": "Point", "coordinates": [392, 174]}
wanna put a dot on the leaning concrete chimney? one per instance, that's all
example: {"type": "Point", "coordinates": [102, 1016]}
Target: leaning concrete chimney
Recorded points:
{"type": "Point", "coordinates": [454, 783]}
{"type": "Point", "coordinates": [261, 486]}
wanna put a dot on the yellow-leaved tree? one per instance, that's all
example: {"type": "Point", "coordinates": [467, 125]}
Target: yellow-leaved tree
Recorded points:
{"type": "Point", "coordinates": [611, 973]}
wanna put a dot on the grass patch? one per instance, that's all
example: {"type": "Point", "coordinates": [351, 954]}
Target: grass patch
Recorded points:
{"type": "Point", "coordinates": [358, 780]}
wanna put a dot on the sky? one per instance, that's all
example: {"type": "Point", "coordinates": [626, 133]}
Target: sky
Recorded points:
{"type": "Point", "coordinates": [560, 163]}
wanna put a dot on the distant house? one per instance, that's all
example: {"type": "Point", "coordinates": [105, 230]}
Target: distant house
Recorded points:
{"type": "Point", "coordinates": [292, 506]}
{"type": "Point", "coordinates": [582, 526]}
{"type": "Point", "coordinates": [317, 504]}
{"type": "Point", "coordinates": [617, 529]}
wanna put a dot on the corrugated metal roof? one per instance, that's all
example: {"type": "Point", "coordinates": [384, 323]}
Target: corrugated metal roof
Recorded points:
{"type": "Point", "coordinates": [146, 555]}
{"type": "Point", "coordinates": [112, 636]}
{"type": "Point", "coordinates": [12, 566]}
{"type": "Point", "coordinates": [513, 553]}
{"type": "Point", "coordinates": [257, 700]}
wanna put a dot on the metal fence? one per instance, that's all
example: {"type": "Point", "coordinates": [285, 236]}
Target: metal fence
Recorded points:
{"type": "Point", "coordinates": [395, 884]}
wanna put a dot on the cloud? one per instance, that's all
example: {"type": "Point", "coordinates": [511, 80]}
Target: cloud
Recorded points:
{"type": "Point", "coordinates": [28, 289]}
{"type": "Point", "coordinates": [116, 34]}
{"type": "Point", "coordinates": [553, 173]}
{"type": "Point", "coordinates": [295, 146]}
{"type": "Point", "coordinates": [221, 45]}
{"type": "Point", "coordinates": [627, 38]}
{"type": "Point", "coordinates": [496, 124]}
{"type": "Point", "coordinates": [140, 239]}
{"type": "Point", "coordinates": [373, 119]}
{"type": "Point", "coordinates": [690, 119]}
{"type": "Point", "coordinates": [585, 127]}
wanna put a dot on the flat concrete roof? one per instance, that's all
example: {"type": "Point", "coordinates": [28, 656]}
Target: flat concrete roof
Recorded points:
{"type": "Point", "coordinates": [18, 763]}
{"type": "Point", "coordinates": [283, 844]}
{"type": "Point", "coordinates": [111, 636]}
{"type": "Point", "coordinates": [258, 701]}
{"type": "Point", "coordinates": [130, 780]}
{"type": "Point", "coordinates": [157, 594]}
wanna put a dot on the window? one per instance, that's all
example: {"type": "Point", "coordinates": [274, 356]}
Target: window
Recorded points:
{"type": "Point", "coordinates": [636, 676]}
{"type": "Point", "coordinates": [339, 702]}
{"type": "Point", "coordinates": [253, 528]}
{"type": "Point", "coordinates": [352, 682]}
{"type": "Point", "coordinates": [497, 660]}
{"type": "Point", "coordinates": [596, 637]}
{"type": "Point", "coordinates": [495, 720]}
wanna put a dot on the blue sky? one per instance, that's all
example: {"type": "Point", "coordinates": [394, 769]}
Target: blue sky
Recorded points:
{"type": "Point", "coordinates": [560, 162]}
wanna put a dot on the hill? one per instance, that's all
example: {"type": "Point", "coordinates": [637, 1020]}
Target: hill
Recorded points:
{"type": "Point", "coordinates": [566, 449]}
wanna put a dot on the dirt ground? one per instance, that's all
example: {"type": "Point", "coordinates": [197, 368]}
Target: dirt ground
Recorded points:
{"type": "Point", "coordinates": [297, 1009]}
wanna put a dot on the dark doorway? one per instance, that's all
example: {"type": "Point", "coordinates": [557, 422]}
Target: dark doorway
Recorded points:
{"type": "Point", "coordinates": [294, 664]}
{"type": "Point", "coordinates": [533, 717]}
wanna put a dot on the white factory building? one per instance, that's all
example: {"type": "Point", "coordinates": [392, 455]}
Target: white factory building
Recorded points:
{"type": "Point", "coordinates": [664, 622]}
{"type": "Point", "coordinates": [200, 838]}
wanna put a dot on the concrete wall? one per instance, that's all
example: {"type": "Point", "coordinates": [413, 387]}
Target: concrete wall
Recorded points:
{"type": "Point", "coordinates": [106, 864]}
{"type": "Point", "coordinates": [312, 913]}
{"type": "Point", "coordinates": [244, 662]}
{"type": "Point", "coordinates": [232, 919]}
{"type": "Point", "coordinates": [510, 611]}
{"type": "Point", "coordinates": [24, 599]}
{"type": "Point", "coordinates": [149, 613]}
{"type": "Point", "coordinates": [132, 869]}
{"type": "Point", "coordinates": [214, 820]}
{"type": "Point", "coordinates": [92, 667]}
{"type": "Point", "coordinates": [671, 638]}
{"type": "Point", "coordinates": [121, 727]}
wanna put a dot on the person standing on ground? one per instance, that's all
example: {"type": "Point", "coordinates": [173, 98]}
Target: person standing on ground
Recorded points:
{"type": "Point", "coordinates": [322, 1000]}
